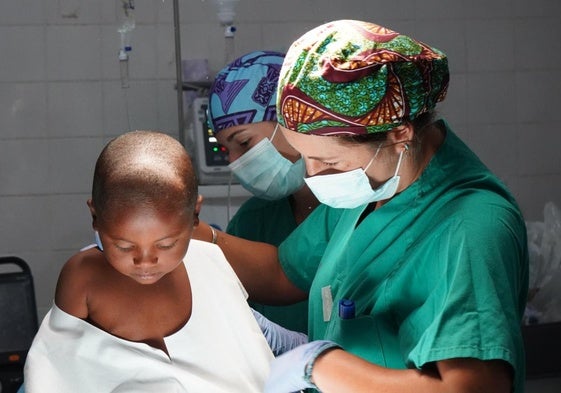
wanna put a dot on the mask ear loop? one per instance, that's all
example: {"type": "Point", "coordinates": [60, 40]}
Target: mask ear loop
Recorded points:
{"type": "Point", "coordinates": [274, 132]}
{"type": "Point", "coordinates": [373, 158]}
{"type": "Point", "coordinates": [406, 149]}
{"type": "Point", "coordinates": [400, 158]}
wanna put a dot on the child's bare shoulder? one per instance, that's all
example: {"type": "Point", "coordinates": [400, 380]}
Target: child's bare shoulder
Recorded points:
{"type": "Point", "coordinates": [75, 280]}
{"type": "Point", "coordinates": [82, 265]}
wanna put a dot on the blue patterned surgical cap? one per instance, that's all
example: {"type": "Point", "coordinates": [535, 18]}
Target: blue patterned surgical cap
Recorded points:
{"type": "Point", "coordinates": [245, 91]}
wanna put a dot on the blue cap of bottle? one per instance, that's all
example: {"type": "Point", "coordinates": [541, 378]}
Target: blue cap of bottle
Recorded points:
{"type": "Point", "coordinates": [346, 309]}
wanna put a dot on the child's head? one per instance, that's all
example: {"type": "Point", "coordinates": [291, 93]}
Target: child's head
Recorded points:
{"type": "Point", "coordinates": [143, 168]}
{"type": "Point", "coordinates": [144, 203]}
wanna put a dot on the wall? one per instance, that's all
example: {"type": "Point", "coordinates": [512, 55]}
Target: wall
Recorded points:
{"type": "Point", "coordinates": [61, 98]}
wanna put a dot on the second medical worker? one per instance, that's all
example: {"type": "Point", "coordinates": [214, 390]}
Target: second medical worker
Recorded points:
{"type": "Point", "coordinates": [242, 116]}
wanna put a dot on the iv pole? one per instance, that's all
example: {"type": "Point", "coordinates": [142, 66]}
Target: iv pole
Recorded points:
{"type": "Point", "coordinates": [178, 72]}
{"type": "Point", "coordinates": [226, 15]}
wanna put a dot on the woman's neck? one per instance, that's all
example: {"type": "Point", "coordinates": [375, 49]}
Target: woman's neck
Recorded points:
{"type": "Point", "coordinates": [414, 163]}
{"type": "Point", "coordinates": [303, 202]}
{"type": "Point", "coordinates": [428, 144]}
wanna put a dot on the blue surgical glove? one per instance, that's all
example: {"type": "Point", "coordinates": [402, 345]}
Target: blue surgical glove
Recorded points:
{"type": "Point", "coordinates": [292, 371]}
{"type": "Point", "coordinates": [280, 339]}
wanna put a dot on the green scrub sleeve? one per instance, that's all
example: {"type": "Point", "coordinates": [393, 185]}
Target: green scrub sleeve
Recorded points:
{"type": "Point", "coordinates": [474, 307]}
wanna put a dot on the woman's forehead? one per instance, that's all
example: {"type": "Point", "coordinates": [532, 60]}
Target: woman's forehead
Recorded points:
{"type": "Point", "coordinates": [230, 134]}
{"type": "Point", "coordinates": [323, 147]}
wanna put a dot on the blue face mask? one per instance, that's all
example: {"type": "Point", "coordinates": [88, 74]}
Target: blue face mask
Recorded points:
{"type": "Point", "coordinates": [351, 189]}
{"type": "Point", "coordinates": [264, 172]}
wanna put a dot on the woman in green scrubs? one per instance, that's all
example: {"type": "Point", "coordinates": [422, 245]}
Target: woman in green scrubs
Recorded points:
{"type": "Point", "coordinates": [416, 263]}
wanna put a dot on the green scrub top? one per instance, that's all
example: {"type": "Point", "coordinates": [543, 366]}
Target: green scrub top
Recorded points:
{"type": "Point", "coordinates": [438, 272]}
{"type": "Point", "coordinates": [270, 222]}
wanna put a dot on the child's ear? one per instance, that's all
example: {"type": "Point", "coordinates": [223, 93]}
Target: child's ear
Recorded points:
{"type": "Point", "coordinates": [92, 212]}
{"type": "Point", "coordinates": [198, 206]}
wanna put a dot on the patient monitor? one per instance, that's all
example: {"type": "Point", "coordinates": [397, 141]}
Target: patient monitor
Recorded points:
{"type": "Point", "coordinates": [211, 159]}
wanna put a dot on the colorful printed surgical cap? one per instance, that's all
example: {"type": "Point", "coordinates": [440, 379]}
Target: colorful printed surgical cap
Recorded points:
{"type": "Point", "coordinates": [352, 77]}
{"type": "Point", "coordinates": [245, 91]}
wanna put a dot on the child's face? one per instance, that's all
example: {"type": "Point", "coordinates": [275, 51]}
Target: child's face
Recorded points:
{"type": "Point", "coordinates": [145, 243]}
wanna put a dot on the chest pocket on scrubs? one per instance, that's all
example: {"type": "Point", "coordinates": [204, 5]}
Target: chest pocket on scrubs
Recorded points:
{"type": "Point", "coordinates": [364, 337]}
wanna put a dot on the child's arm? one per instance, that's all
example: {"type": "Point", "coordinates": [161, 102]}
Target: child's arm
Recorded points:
{"type": "Point", "coordinates": [71, 289]}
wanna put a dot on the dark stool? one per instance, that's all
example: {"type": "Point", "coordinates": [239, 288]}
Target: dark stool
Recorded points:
{"type": "Point", "coordinates": [18, 320]}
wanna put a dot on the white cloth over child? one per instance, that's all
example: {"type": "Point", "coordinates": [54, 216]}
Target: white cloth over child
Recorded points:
{"type": "Point", "coordinates": [221, 349]}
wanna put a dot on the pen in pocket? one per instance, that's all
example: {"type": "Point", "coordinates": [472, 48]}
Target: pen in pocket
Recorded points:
{"type": "Point", "coordinates": [346, 309]}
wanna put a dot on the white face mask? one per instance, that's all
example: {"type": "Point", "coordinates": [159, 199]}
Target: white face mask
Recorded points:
{"type": "Point", "coordinates": [264, 172]}
{"type": "Point", "coordinates": [351, 189]}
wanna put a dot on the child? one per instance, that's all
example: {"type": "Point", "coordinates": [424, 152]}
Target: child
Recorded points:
{"type": "Point", "coordinates": [150, 307]}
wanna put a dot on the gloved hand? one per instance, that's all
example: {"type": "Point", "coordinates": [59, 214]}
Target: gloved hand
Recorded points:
{"type": "Point", "coordinates": [292, 371]}
{"type": "Point", "coordinates": [280, 339]}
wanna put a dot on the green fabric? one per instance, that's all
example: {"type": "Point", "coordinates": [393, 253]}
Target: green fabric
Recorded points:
{"type": "Point", "coordinates": [354, 77]}
{"type": "Point", "coordinates": [270, 222]}
{"type": "Point", "coordinates": [439, 272]}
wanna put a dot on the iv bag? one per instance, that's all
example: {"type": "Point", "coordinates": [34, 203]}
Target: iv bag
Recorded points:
{"type": "Point", "coordinates": [127, 24]}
